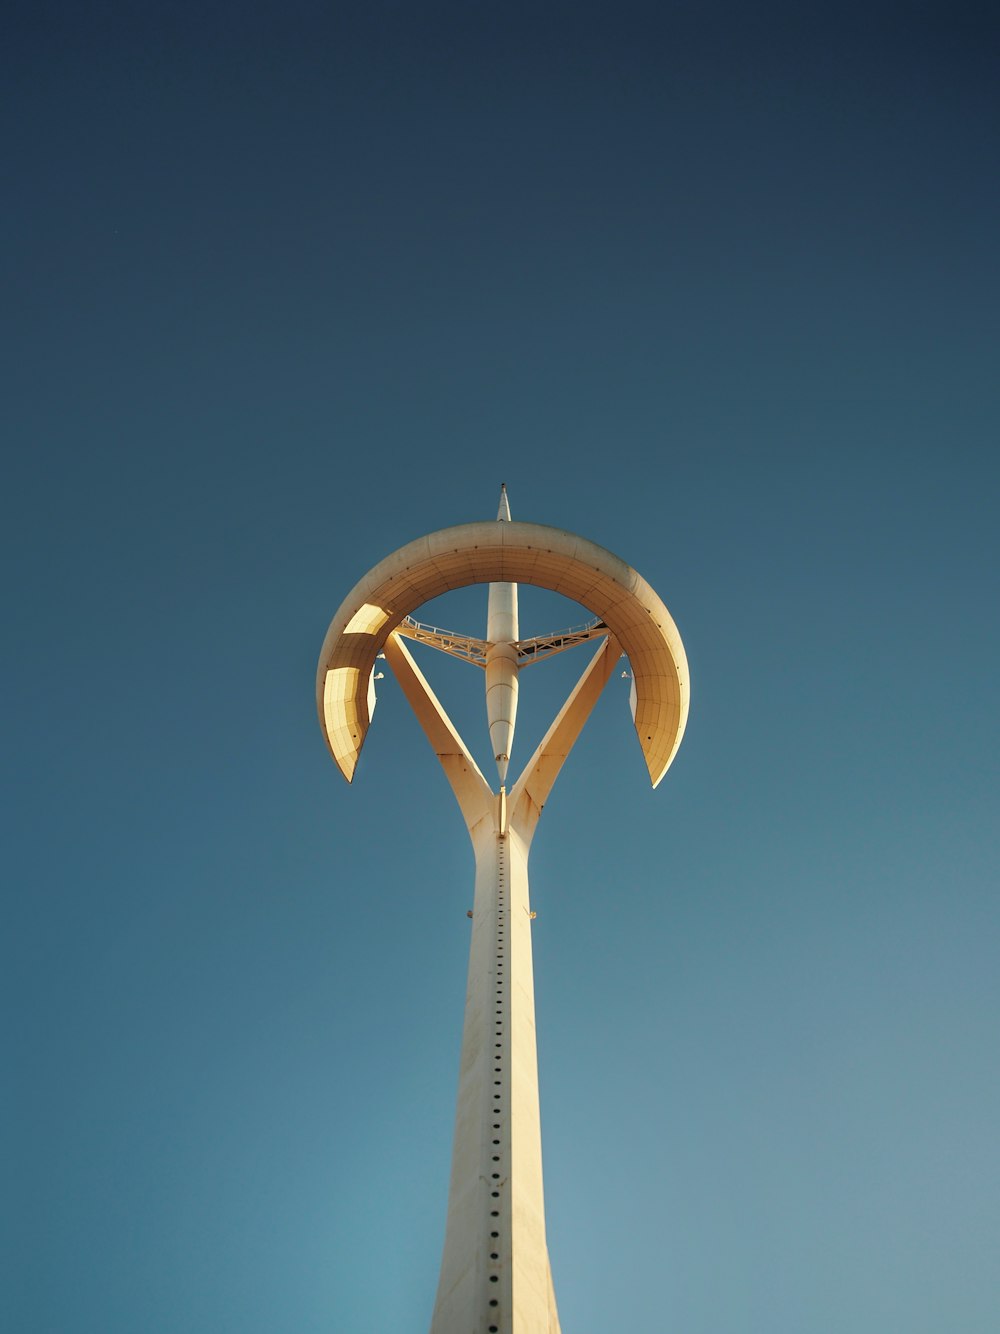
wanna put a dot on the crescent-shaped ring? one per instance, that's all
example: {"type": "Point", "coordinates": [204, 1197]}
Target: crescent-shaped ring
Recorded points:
{"type": "Point", "coordinates": [504, 552]}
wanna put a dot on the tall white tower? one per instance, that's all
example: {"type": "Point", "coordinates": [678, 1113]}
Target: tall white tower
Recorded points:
{"type": "Point", "coordinates": [495, 1273]}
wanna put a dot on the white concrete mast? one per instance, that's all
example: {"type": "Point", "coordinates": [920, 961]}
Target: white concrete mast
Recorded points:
{"type": "Point", "coordinates": [495, 1275]}
{"type": "Point", "coordinates": [501, 661]}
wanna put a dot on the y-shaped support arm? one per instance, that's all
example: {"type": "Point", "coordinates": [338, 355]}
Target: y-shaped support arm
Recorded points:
{"type": "Point", "coordinates": [473, 793]}
{"type": "Point", "coordinates": [530, 793]}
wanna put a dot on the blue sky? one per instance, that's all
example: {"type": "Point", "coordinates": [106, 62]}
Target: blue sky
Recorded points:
{"type": "Point", "coordinates": [714, 286]}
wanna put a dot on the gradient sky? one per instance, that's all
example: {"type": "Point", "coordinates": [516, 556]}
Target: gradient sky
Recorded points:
{"type": "Point", "coordinates": [715, 285]}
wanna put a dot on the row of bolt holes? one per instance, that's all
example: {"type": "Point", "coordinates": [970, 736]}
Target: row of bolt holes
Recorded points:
{"type": "Point", "coordinates": [495, 1213]}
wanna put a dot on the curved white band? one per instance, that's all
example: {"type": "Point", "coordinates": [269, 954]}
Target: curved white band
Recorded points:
{"type": "Point", "coordinates": [512, 552]}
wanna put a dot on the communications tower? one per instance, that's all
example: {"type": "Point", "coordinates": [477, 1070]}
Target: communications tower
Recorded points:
{"type": "Point", "coordinates": [495, 1276]}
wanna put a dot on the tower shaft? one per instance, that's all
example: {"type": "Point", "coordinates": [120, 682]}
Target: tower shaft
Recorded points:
{"type": "Point", "coordinates": [496, 1187]}
{"type": "Point", "coordinates": [495, 1268]}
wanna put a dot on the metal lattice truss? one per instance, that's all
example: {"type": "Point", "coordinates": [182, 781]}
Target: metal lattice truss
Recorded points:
{"type": "Point", "coordinates": [468, 649]}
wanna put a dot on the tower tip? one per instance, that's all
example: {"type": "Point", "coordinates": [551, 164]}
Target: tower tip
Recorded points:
{"type": "Point", "coordinates": [503, 513]}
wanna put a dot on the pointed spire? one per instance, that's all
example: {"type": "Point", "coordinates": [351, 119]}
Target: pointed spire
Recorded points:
{"type": "Point", "coordinates": [503, 513]}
